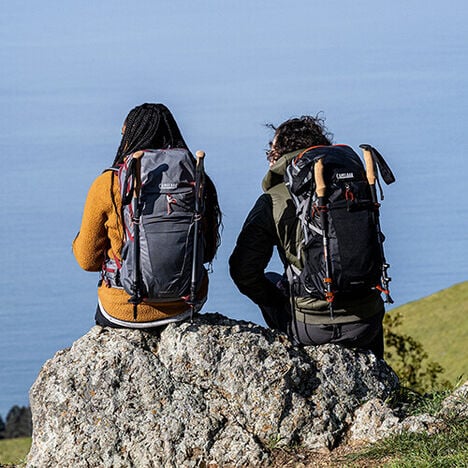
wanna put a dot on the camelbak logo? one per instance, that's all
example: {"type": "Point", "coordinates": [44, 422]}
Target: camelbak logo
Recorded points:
{"type": "Point", "coordinates": [345, 175]}
{"type": "Point", "coordinates": [168, 186]}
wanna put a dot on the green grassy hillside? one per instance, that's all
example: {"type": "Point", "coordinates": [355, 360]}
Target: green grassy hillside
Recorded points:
{"type": "Point", "coordinates": [440, 323]}
{"type": "Point", "coordinates": [14, 451]}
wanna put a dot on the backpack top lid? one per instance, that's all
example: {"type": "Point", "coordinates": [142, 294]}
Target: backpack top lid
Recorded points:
{"type": "Point", "coordinates": [162, 171]}
{"type": "Point", "coordinates": [339, 161]}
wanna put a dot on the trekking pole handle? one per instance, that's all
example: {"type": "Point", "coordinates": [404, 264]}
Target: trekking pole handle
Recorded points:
{"type": "Point", "coordinates": [320, 187]}
{"type": "Point", "coordinates": [199, 169]}
{"type": "Point", "coordinates": [137, 157]}
{"type": "Point", "coordinates": [370, 168]}
{"type": "Point", "coordinates": [200, 155]}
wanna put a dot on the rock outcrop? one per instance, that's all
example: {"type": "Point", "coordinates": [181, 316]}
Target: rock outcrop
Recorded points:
{"type": "Point", "coordinates": [375, 420]}
{"type": "Point", "coordinates": [456, 404]}
{"type": "Point", "coordinates": [215, 391]}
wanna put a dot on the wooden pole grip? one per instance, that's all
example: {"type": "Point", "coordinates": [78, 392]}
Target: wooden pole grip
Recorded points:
{"type": "Point", "coordinates": [320, 187]}
{"type": "Point", "coordinates": [370, 169]}
{"type": "Point", "coordinates": [137, 157]}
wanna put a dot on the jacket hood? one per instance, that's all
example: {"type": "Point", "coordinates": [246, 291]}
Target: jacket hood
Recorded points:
{"type": "Point", "coordinates": [275, 174]}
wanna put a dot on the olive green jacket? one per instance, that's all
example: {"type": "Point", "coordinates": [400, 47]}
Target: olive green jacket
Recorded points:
{"type": "Point", "coordinates": [272, 222]}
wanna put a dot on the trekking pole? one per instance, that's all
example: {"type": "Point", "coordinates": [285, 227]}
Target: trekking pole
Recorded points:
{"type": "Point", "coordinates": [372, 178]}
{"type": "Point", "coordinates": [199, 182]}
{"type": "Point", "coordinates": [320, 190]}
{"type": "Point", "coordinates": [137, 296]}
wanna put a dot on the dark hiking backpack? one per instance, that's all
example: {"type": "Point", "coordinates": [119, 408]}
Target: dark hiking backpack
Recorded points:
{"type": "Point", "coordinates": [158, 212]}
{"type": "Point", "coordinates": [342, 249]}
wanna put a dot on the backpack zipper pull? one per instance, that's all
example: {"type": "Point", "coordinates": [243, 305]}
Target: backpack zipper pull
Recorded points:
{"type": "Point", "coordinates": [170, 201]}
{"type": "Point", "coordinates": [349, 196]}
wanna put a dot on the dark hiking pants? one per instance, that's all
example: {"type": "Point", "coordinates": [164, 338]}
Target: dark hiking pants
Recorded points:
{"type": "Point", "coordinates": [365, 334]}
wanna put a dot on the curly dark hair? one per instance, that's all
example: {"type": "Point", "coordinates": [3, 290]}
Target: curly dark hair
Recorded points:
{"type": "Point", "coordinates": [297, 133]}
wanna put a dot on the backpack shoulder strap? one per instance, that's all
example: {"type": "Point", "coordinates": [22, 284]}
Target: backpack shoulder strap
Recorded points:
{"type": "Point", "coordinates": [110, 169]}
{"type": "Point", "coordinates": [288, 229]}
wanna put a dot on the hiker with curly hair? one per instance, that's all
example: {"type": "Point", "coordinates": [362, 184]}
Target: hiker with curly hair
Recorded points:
{"type": "Point", "coordinates": [273, 222]}
{"type": "Point", "coordinates": [101, 236]}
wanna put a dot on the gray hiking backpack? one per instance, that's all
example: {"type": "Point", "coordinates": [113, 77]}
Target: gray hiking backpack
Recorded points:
{"type": "Point", "coordinates": [160, 214]}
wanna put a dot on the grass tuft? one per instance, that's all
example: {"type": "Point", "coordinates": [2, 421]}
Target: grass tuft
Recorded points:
{"type": "Point", "coordinates": [448, 447]}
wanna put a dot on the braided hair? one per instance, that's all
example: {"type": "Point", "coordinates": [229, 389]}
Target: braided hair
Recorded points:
{"type": "Point", "coordinates": [149, 126]}
{"type": "Point", "coordinates": [298, 133]}
{"type": "Point", "coordinates": [152, 126]}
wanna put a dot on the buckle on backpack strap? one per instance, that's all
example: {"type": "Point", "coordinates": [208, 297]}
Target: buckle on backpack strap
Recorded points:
{"type": "Point", "coordinates": [329, 295]}
{"type": "Point", "coordinates": [317, 209]}
{"type": "Point", "coordinates": [170, 201]}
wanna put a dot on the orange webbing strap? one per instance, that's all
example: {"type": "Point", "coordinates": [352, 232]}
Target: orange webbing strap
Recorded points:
{"type": "Point", "coordinates": [299, 156]}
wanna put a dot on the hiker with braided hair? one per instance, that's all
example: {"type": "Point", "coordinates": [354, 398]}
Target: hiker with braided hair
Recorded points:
{"type": "Point", "coordinates": [101, 236]}
{"type": "Point", "coordinates": [273, 222]}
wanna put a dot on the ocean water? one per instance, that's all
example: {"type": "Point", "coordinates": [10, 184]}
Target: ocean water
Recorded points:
{"type": "Point", "coordinates": [397, 81]}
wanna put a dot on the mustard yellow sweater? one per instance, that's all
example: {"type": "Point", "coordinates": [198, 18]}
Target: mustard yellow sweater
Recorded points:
{"type": "Point", "coordinates": [101, 234]}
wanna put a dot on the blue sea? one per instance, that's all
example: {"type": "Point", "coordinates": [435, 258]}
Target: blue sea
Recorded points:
{"type": "Point", "coordinates": [392, 75]}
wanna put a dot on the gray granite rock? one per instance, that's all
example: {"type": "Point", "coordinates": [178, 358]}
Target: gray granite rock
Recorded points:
{"type": "Point", "coordinates": [456, 404]}
{"type": "Point", "coordinates": [215, 390]}
{"type": "Point", "coordinates": [374, 420]}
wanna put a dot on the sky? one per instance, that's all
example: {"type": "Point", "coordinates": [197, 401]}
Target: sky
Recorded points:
{"type": "Point", "coordinates": [392, 74]}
